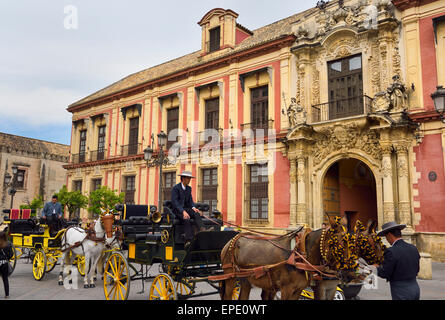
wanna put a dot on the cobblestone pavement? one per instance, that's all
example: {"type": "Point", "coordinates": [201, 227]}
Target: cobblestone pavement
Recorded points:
{"type": "Point", "coordinates": [24, 287]}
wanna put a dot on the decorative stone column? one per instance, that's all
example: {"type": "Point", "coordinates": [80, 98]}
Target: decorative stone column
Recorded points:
{"type": "Point", "coordinates": [388, 196]}
{"type": "Point", "coordinates": [293, 191]}
{"type": "Point", "coordinates": [403, 184]}
{"type": "Point", "coordinates": [301, 205]}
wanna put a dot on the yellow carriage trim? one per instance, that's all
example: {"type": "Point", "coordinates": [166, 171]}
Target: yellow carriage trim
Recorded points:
{"type": "Point", "coordinates": [169, 253]}
{"type": "Point", "coordinates": [132, 251]}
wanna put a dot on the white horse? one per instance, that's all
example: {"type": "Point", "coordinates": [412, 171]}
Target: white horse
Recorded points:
{"type": "Point", "coordinates": [77, 242]}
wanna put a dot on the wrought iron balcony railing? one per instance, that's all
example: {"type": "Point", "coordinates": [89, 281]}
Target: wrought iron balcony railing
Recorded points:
{"type": "Point", "coordinates": [268, 124]}
{"type": "Point", "coordinates": [98, 155]}
{"type": "Point", "coordinates": [78, 158]}
{"type": "Point", "coordinates": [342, 108]}
{"type": "Point", "coordinates": [131, 149]}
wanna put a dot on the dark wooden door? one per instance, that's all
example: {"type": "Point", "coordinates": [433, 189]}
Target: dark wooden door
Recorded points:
{"type": "Point", "coordinates": [101, 143]}
{"type": "Point", "coordinates": [345, 87]}
{"type": "Point", "coordinates": [260, 108]}
{"type": "Point", "coordinates": [212, 114]}
{"type": "Point", "coordinates": [331, 193]}
{"type": "Point", "coordinates": [133, 136]}
{"type": "Point", "coordinates": [82, 145]}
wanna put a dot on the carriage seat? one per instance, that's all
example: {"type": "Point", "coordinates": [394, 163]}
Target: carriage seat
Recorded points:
{"type": "Point", "coordinates": [25, 227]}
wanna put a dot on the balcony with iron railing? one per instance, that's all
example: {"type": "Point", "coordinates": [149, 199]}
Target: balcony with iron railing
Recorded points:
{"type": "Point", "coordinates": [131, 149]}
{"type": "Point", "coordinates": [265, 125]}
{"type": "Point", "coordinates": [340, 109]}
{"type": "Point", "coordinates": [98, 155]}
{"type": "Point", "coordinates": [78, 158]}
{"type": "Point", "coordinates": [211, 136]}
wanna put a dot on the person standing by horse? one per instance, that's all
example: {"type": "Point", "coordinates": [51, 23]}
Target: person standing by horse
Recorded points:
{"type": "Point", "coordinates": [400, 264]}
{"type": "Point", "coordinates": [52, 213]}
{"type": "Point", "coordinates": [5, 255]}
{"type": "Point", "coordinates": [184, 207]}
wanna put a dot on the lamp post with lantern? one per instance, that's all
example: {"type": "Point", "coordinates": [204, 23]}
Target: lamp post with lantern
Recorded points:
{"type": "Point", "coordinates": [10, 181]}
{"type": "Point", "coordinates": [439, 102]}
{"type": "Point", "coordinates": [160, 159]}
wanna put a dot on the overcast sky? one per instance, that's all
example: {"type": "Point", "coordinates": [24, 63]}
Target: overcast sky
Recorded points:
{"type": "Point", "coordinates": [44, 66]}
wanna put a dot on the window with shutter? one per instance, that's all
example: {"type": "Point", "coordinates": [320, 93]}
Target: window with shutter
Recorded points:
{"type": "Point", "coordinates": [209, 188]}
{"type": "Point", "coordinates": [215, 38]}
{"type": "Point", "coordinates": [169, 181]}
{"type": "Point", "coordinates": [130, 189]}
{"type": "Point", "coordinates": [345, 87]}
{"type": "Point", "coordinates": [258, 190]}
{"type": "Point", "coordinates": [172, 124]}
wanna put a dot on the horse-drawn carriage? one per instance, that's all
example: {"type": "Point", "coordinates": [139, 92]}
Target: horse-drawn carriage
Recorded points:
{"type": "Point", "coordinates": [151, 237]}
{"type": "Point", "coordinates": [32, 234]}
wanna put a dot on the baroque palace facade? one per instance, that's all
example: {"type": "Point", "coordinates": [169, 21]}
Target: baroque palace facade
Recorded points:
{"type": "Point", "coordinates": [337, 99]}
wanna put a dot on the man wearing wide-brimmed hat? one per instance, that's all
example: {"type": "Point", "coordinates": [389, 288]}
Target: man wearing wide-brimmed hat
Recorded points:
{"type": "Point", "coordinates": [400, 264]}
{"type": "Point", "coordinates": [184, 207]}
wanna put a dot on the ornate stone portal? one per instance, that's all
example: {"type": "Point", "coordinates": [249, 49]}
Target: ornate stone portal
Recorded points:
{"type": "Point", "coordinates": [382, 143]}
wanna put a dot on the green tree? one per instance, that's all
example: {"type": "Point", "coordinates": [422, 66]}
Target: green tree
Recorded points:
{"type": "Point", "coordinates": [36, 204]}
{"type": "Point", "coordinates": [72, 200]}
{"type": "Point", "coordinates": [104, 198]}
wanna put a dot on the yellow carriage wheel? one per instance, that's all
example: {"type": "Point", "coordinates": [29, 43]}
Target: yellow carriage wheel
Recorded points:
{"type": "Point", "coordinates": [13, 260]}
{"type": "Point", "coordinates": [116, 277]}
{"type": "Point", "coordinates": [185, 288]}
{"type": "Point", "coordinates": [162, 288]}
{"type": "Point", "coordinates": [39, 265]}
{"type": "Point", "coordinates": [80, 263]}
{"type": "Point", "coordinates": [236, 290]}
{"type": "Point", "coordinates": [51, 260]}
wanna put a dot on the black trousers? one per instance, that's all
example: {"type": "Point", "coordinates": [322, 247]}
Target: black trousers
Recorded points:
{"type": "Point", "coordinates": [188, 224]}
{"type": "Point", "coordinates": [4, 274]}
{"type": "Point", "coordinates": [53, 223]}
{"type": "Point", "coordinates": [405, 290]}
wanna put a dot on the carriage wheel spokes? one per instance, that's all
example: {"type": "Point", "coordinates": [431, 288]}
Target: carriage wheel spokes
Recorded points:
{"type": "Point", "coordinates": [185, 288]}
{"type": "Point", "coordinates": [116, 278]}
{"type": "Point", "coordinates": [13, 260]}
{"type": "Point", "coordinates": [39, 265]}
{"type": "Point", "coordinates": [236, 290]}
{"type": "Point", "coordinates": [80, 263]}
{"type": "Point", "coordinates": [162, 288]}
{"type": "Point", "coordinates": [52, 258]}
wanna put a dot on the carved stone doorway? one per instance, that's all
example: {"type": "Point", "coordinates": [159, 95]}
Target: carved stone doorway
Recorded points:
{"type": "Point", "coordinates": [349, 187]}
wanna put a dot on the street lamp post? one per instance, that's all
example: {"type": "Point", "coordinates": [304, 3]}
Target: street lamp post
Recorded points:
{"type": "Point", "coordinates": [439, 102]}
{"type": "Point", "coordinates": [10, 182]}
{"type": "Point", "coordinates": [159, 160]}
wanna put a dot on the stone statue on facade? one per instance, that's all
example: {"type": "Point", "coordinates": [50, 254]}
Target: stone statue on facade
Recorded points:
{"type": "Point", "coordinates": [296, 113]}
{"type": "Point", "coordinates": [398, 95]}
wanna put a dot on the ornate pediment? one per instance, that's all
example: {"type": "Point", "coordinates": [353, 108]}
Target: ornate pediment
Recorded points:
{"type": "Point", "coordinates": [344, 137]}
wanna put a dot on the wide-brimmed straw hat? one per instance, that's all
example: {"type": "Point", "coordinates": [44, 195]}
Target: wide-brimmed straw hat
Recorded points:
{"type": "Point", "coordinates": [390, 226]}
{"type": "Point", "coordinates": [186, 174]}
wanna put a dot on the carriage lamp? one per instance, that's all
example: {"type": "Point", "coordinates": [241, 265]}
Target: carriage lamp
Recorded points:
{"type": "Point", "coordinates": [162, 139]}
{"type": "Point", "coordinates": [439, 102]}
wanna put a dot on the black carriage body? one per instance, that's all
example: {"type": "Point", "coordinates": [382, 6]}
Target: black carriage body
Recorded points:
{"type": "Point", "coordinates": [162, 242]}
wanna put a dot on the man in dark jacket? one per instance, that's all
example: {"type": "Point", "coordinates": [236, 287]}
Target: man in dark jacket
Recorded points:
{"type": "Point", "coordinates": [184, 207]}
{"type": "Point", "coordinates": [400, 264]}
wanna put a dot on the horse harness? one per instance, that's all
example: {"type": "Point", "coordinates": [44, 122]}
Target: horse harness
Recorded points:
{"type": "Point", "coordinates": [296, 259]}
{"type": "Point", "coordinates": [90, 235]}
